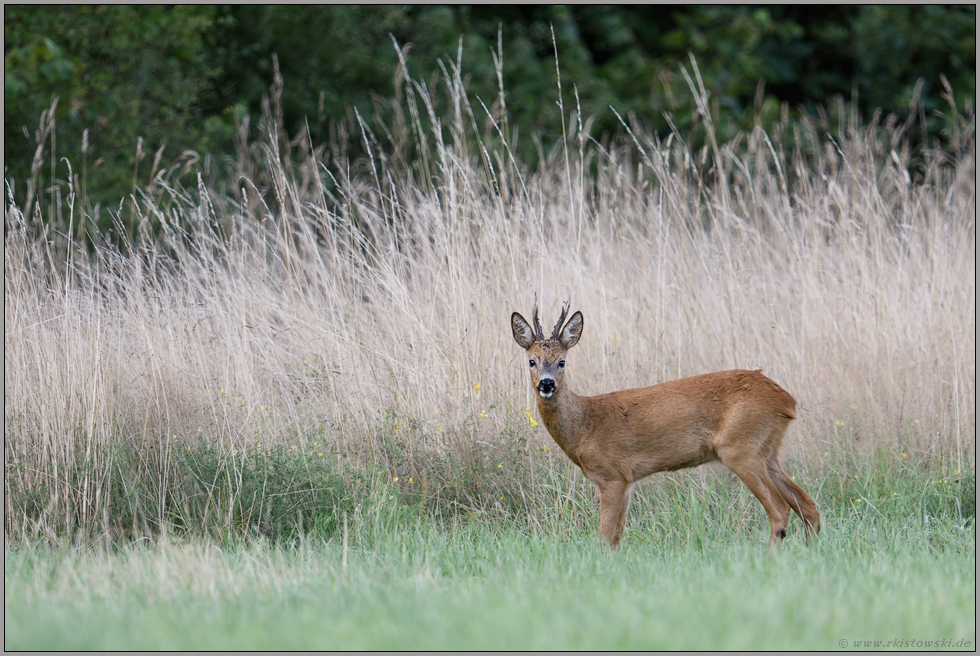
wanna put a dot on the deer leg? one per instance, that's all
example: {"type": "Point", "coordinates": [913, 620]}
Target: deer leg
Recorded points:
{"type": "Point", "coordinates": [754, 472]}
{"type": "Point", "coordinates": [614, 501]}
{"type": "Point", "coordinates": [797, 499]}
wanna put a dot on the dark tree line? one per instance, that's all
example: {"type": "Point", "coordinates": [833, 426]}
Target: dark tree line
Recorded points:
{"type": "Point", "coordinates": [131, 80]}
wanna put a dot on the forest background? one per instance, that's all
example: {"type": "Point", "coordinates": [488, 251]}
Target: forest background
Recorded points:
{"type": "Point", "coordinates": [175, 85]}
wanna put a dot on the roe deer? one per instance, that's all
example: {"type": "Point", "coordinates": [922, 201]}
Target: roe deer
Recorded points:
{"type": "Point", "coordinates": [738, 417]}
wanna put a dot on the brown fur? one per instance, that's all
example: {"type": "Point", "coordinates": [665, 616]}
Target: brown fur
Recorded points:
{"type": "Point", "coordinates": [738, 417]}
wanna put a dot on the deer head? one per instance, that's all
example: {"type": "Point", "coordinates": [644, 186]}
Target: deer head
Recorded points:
{"type": "Point", "coordinates": [546, 357]}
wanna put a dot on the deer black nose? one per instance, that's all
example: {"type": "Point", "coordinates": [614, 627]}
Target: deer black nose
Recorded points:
{"type": "Point", "coordinates": [546, 385]}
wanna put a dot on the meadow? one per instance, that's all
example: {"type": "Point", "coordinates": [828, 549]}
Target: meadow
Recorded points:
{"type": "Point", "coordinates": [404, 582]}
{"type": "Point", "coordinates": [286, 409]}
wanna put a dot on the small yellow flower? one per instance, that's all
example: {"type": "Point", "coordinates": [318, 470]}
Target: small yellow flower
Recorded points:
{"type": "Point", "coordinates": [854, 406]}
{"type": "Point", "coordinates": [483, 414]}
{"type": "Point", "coordinates": [838, 423]}
{"type": "Point", "coordinates": [410, 480]}
{"type": "Point", "coordinates": [477, 387]}
{"type": "Point", "coordinates": [905, 455]}
{"type": "Point", "coordinates": [500, 466]}
{"type": "Point", "coordinates": [394, 479]}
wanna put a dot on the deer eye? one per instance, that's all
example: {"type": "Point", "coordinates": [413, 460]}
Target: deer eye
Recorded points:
{"type": "Point", "coordinates": [532, 364]}
{"type": "Point", "coordinates": [561, 364]}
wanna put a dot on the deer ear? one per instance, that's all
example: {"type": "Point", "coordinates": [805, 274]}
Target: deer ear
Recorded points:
{"type": "Point", "coordinates": [523, 334]}
{"type": "Point", "coordinates": [572, 331]}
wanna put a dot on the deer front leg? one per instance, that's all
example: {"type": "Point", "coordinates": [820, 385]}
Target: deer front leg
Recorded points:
{"type": "Point", "coordinates": [614, 501]}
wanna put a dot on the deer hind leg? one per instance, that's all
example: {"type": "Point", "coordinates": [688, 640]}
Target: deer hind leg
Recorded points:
{"type": "Point", "coordinates": [798, 500]}
{"type": "Point", "coordinates": [751, 467]}
{"type": "Point", "coordinates": [614, 501]}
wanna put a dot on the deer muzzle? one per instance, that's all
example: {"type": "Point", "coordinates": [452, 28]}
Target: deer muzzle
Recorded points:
{"type": "Point", "coordinates": [546, 387]}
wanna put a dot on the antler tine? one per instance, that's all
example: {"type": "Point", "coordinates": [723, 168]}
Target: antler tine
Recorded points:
{"type": "Point", "coordinates": [561, 319]}
{"type": "Point", "coordinates": [537, 324]}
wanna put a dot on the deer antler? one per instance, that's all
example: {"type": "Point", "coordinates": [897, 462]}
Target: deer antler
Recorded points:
{"type": "Point", "coordinates": [561, 319]}
{"type": "Point", "coordinates": [538, 330]}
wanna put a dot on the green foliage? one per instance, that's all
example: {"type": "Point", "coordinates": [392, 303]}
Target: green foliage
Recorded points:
{"type": "Point", "coordinates": [203, 490]}
{"type": "Point", "coordinates": [133, 80]}
{"type": "Point", "coordinates": [277, 492]}
{"type": "Point", "coordinates": [37, 63]}
{"type": "Point", "coordinates": [330, 58]}
{"type": "Point", "coordinates": [129, 81]}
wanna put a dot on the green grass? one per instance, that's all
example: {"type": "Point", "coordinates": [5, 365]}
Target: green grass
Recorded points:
{"type": "Point", "coordinates": [880, 571]}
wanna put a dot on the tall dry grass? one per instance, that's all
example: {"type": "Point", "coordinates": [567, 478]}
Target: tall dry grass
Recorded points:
{"type": "Point", "coordinates": [359, 309]}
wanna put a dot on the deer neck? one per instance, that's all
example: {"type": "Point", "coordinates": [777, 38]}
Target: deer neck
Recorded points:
{"type": "Point", "coordinates": [563, 415]}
